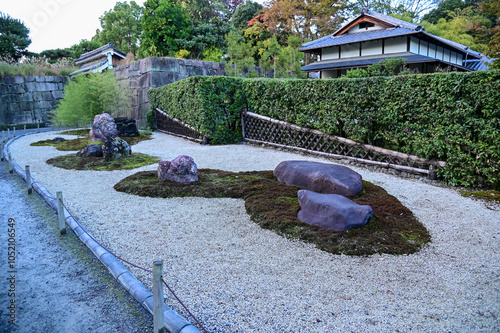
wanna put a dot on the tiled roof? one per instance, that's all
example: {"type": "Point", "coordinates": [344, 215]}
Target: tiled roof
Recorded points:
{"type": "Point", "coordinates": [358, 61]}
{"type": "Point", "coordinates": [401, 28]}
{"type": "Point", "coordinates": [356, 37]}
{"type": "Point", "coordinates": [98, 51]}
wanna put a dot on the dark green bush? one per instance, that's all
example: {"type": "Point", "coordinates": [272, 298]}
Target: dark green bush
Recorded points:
{"type": "Point", "coordinates": [211, 104]}
{"type": "Point", "coordinates": [453, 117]}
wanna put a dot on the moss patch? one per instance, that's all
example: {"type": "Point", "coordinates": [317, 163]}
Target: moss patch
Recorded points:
{"type": "Point", "coordinates": [487, 195]}
{"type": "Point", "coordinates": [73, 162]}
{"type": "Point", "coordinates": [274, 205]}
{"type": "Point", "coordinates": [80, 143]}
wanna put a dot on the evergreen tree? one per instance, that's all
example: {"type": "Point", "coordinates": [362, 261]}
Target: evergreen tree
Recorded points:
{"type": "Point", "coordinates": [14, 38]}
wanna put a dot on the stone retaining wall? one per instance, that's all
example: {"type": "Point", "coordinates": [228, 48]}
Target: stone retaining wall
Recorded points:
{"type": "Point", "coordinates": [148, 73]}
{"type": "Point", "coordinates": [29, 99]}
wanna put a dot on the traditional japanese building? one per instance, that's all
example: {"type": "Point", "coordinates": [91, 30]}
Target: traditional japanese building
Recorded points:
{"type": "Point", "coordinates": [105, 57]}
{"type": "Point", "coordinates": [372, 37]}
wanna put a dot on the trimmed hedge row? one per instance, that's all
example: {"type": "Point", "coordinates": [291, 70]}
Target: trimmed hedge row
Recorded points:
{"type": "Point", "coordinates": [211, 104]}
{"type": "Point", "coordinates": [449, 116]}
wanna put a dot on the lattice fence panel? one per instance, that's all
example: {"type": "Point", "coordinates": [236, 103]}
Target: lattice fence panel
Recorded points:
{"type": "Point", "coordinates": [266, 130]}
{"type": "Point", "coordinates": [170, 125]}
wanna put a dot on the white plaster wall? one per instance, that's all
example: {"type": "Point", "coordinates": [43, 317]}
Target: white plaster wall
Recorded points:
{"type": "Point", "coordinates": [414, 45]}
{"type": "Point", "coordinates": [395, 45]}
{"type": "Point", "coordinates": [423, 48]}
{"type": "Point", "coordinates": [330, 53]}
{"type": "Point", "coordinates": [371, 48]}
{"type": "Point", "coordinates": [349, 51]}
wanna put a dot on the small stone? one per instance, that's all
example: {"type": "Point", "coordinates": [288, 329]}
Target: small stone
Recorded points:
{"type": "Point", "coordinates": [320, 177]}
{"type": "Point", "coordinates": [181, 169]}
{"type": "Point", "coordinates": [91, 150]}
{"type": "Point", "coordinates": [332, 211]}
{"type": "Point", "coordinates": [58, 139]}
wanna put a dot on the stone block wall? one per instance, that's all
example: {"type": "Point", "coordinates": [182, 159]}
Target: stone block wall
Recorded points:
{"type": "Point", "coordinates": [144, 74]}
{"type": "Point", "coordinates": [29, 99]}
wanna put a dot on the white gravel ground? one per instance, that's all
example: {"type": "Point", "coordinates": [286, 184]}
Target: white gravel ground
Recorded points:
{"type": "Point", "coordinates": [237, 277]}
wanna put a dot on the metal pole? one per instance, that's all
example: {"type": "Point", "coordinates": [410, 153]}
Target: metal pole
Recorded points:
{"type": "Point", "coordinates": [159, 325]}
{"type": "Point", "coordinates": [60, 212]}
{"type": "Point", "coordinates": [28, 180]}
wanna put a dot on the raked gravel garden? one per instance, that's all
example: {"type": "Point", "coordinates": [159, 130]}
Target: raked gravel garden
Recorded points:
{"type": "Point", "coordinates": [237, 277]}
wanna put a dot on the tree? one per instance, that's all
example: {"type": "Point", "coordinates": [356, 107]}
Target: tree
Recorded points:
{"type": "Point", "coordinates": [245, 13]}
{"type": "Point", "coordinates": [492, 8]}
{"type": "Point", "coordinates": [54, 55]}
{"type": "Point", "coordinates": [442, 10]}
{"type": "Point", "coordinates": [89, 95]}
{"type": "Point", "coordinates": [210, 23]}
{"type": "Point", "coordinates": [164, 23]}
{"type": "Point", "coordinates": [272, 51]}
{"type": "Point", "coordinates": [14, 38]}
{"type": "Point", "coordinates": [83, 47]}
{"type": "Point", "coordinates": [121, 26]}
{"type": "Point", "coordinates": [307, 19]}
{"type": "Point", "coordinates": [466, 26]}
{"type": "Point", "coordinates": [406, 8]}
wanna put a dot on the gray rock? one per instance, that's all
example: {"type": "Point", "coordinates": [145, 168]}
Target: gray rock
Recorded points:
{"type": "Point", "coordinates": [116, 148]}
{"type": "Point", "coordinates": [181, 169]}
{"type": "Point", "coordinates": [320, 177]}
{"type": "Point", "coordinates": [58, 139]}
{"type": "Point", "coordinates": [91, 150]}
{"type": "Point", "coordinates": [332, 211]}
{"type": "Point", "coordinates": [103, 128]}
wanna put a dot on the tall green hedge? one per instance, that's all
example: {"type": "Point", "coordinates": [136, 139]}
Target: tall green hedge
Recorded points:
{"type": "Point", "coordinates": [210, 104]}
{"type": "Point", "coordinates": [453, 117]}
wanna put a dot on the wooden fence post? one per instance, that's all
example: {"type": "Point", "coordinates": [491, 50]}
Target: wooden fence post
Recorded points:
{"type": "Point", "coordinates": [28, 180]}
{"type": "Point", "coordinates": [14, 135]}
{"type": "Point", "coordinates": [159, 325]}
{"type": "Point", "coordinates": [38, 127]}
{"type": "Point", "coordinates": [24, 129]}
{"type": "Point", "coordinates": [11, 165]}
{"type": "Point", "coordinates": [3, 136]}
{"type": "Point", "coordinates": [60, 212]}
{"type": "Point", "coordinates": [8, 133]}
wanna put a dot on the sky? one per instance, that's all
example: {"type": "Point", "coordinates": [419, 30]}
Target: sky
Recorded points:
{"type": "Point", "coordinates": [58, 23]}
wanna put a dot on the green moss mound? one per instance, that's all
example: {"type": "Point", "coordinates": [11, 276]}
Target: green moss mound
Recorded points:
{"type": "Point", "coordinates": [73, 162]}
{"type": "Point", "coordinates": [273, 205]}
{"type": "Point", "coordinates": [80, 143]}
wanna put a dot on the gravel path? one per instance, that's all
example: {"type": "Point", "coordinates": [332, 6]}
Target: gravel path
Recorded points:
{"type": "Point", "coordinates": [57, 286]}
{"type": "Point", "coordinates": [237, 277]}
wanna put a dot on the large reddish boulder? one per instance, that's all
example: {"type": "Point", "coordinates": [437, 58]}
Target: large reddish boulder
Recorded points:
{"type": "Point", "coordinates": [332, 211]}
{"type": "Point", "coordinates": [181, 169]}
{"type": "Point", "coordinates": [320, 177]}
{"type": "Point", "coordinates": [103, 128]}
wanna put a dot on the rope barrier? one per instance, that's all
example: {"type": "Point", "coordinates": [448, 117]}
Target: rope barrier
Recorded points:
{"type": "Point", "coordinates": [185, 307]}
{"type": "Point", "coordinates": [38, 186]}
{"type": "Point", "coordinates": [139, 267]}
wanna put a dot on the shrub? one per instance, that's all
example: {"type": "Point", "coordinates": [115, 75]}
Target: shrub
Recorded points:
{"type": "Point", "coordinates": [211, 104]}
{"type": "Point", "coordinates": [453, 117]}
{"type": "Point", "coordinates": [86, 96]}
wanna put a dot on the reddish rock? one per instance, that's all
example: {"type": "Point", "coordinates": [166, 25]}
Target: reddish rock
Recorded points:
{"type": "Point", "coordinates": [320, 177]}
{"type": "Point", "coordinates": [332, 211]}
{"type": "Point", "coordinates": [103, 128]}
{"type": "Point", "coordinates": [181, 169]}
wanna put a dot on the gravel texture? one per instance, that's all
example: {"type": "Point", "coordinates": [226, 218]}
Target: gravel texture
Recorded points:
{"type": "Point", "coordinates": [55, 282]}
{"type": "Point", "coordinates": [237, 277]}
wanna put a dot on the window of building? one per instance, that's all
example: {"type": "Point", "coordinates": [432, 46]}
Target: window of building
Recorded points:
{"type": "Point", "coordinates": [366, 25]}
